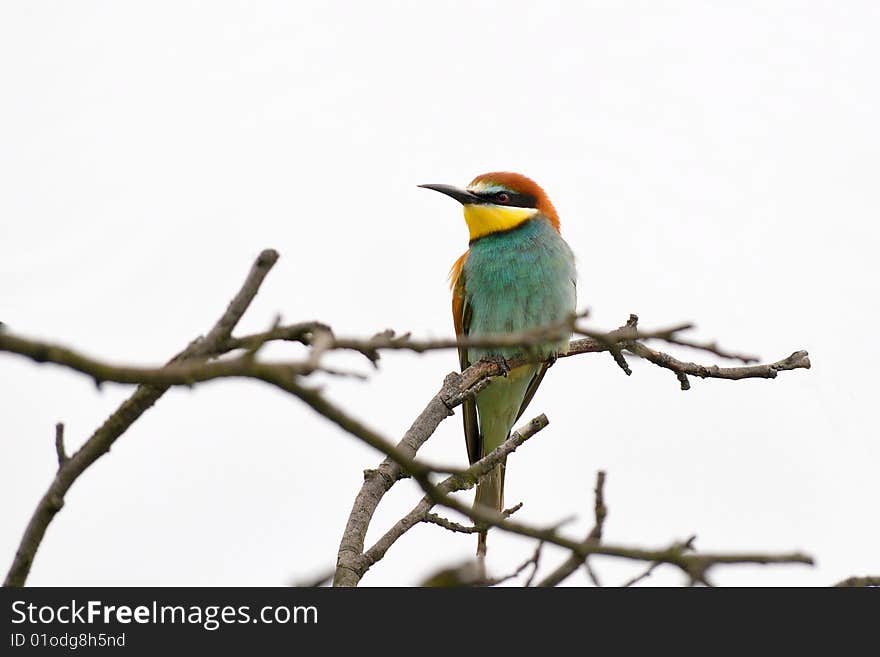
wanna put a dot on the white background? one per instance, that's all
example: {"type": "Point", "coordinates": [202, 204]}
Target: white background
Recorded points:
{"type": "Point", "coordinates": [708, 164]}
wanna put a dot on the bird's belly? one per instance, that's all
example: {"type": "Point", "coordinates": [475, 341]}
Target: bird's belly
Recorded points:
{"type": "Point", "coordinates": [499, 404]}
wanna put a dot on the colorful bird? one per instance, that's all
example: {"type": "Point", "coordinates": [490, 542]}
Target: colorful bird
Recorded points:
{"type": "Point", "coordinates": [518, 274]}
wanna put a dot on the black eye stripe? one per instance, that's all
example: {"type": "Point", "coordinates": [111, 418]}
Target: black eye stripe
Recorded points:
{"type": "Point", "coordinates": [514, 200]}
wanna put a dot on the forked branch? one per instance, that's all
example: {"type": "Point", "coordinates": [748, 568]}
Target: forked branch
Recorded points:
{"type": "Point", "coordinates": [197, 363]}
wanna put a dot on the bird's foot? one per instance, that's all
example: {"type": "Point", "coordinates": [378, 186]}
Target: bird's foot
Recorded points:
{"type": "Point", "coordinates": [551, 361]}
{"type": "Point", "coordinates": [500, 361]}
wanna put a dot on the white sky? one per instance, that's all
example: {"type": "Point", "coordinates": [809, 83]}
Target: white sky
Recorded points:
{"type": "Point", "coordinates": [710, 165]}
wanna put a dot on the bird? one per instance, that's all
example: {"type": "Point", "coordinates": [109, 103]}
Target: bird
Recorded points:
{"type": "Point", "coordinates": [517, 274]}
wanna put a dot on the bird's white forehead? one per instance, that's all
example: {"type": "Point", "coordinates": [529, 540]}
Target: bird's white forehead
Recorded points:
{"type": "Point", "coordinates": [486, 187]}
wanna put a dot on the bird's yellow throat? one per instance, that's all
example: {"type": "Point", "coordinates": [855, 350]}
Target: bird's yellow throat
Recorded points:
{"type": "Point", "coordinates": [483, 219]}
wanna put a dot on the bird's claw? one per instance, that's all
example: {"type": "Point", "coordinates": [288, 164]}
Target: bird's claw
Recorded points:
{"type": "Point", "coordinates": [501, 362]}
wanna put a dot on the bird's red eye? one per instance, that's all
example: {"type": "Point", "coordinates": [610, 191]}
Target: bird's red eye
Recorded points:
{"type": "Point", "coordinates": [501, 197]}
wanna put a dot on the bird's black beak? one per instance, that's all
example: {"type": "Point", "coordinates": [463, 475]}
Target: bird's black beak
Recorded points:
{"type": "Point", "coordinates": [463, 196]}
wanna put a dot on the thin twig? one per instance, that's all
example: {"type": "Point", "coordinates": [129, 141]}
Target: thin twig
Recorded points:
{"type": "Point", "coordinates": [59, 445]}
{"type": "Point", "coordinates": [860, 582]}
{"type": "Point", "coordinates": [683, 546]}
{"type": "Point", "coordinates": [600, 512]}
{"type": "Point", "coordinates": [536, 558]}
{"type": "Point", "coordinates": [594, 577]}
{"type": "Point", "coordinates": [798, 360]}
{"type": "Point", "coordinates": [434, 519]}
{"type": "Point", "coordinates": [712, 348]}
{"type": "Point", "coordinates": [531, 561]}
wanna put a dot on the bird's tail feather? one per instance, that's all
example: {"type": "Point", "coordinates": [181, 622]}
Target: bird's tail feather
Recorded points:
{"type": "Point", "coordinates": [490, 494]}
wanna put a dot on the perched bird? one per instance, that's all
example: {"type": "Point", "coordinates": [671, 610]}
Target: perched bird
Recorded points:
{"type": "Point", "coordinates": [518, 274]}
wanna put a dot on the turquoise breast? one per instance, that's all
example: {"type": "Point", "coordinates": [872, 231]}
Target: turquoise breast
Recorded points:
{"type": "Point", "coordinates": [519, 280]}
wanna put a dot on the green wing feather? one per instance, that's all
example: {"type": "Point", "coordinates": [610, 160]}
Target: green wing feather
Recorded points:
{"type": "Point", "coordinates": [472, 436]}
{"type": "Point", "coordinates": [532, 389]}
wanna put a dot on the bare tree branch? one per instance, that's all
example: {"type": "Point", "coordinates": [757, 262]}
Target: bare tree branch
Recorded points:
{"type": "Point", "coordinates": [301, 333]}
{"type": "Point", "coordinates": [130, 410]}
{"type": "Point", "coordinates": [440, 521]}
{"type": "Point", "coordinates": [486, 369]}
{"type": "Point", "coordinates": [183, 372]}
{"type": "Point", "coordinates": [695, 565]}
{"type": "Point", "coordinates": [191, 370]}
{"type": "Point", "coordinates": [354, 566]}
{"type": "Point", "coordinates": [798, 360]}
{"type": "Point", "coordinates": [380, 481]}
{"type": "Point", "coordinates": [194, 365]}
{"type": "Point", "coordinates": [683, 546]}
{"type": "Point", "coordinates": [859, 582]}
